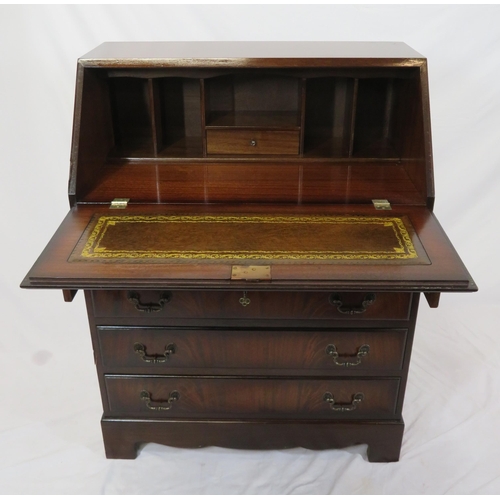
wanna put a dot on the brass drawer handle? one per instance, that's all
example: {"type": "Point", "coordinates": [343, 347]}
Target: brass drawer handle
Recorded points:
{"type": "Point", "coordinates": [140, 350]}
{"type": "Point", "coordinates": [356, 399]}
{"type": "Point", "coordinates": [336, 300]}
{"type": "Point", "coordinates": [135, 298]}
{"type": "Point", "coordinates": [160, 405]}
{"type": "Point", "coordinates": [363, 351]}
{"type": "Point", "coordinates": [253, 143]}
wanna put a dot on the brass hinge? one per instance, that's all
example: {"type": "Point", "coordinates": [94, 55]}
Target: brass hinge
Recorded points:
{"type": "Point", "coordinates": [381, 204]}
{"type": "Point", "coordinates": [119, 203]}
{"type": "Point", "coordinates": [251, 273]}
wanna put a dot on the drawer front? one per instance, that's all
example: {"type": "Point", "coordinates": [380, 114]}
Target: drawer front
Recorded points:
{"type": "Point", "coordinates": [158, 350]}
{"type": "Point", "coordinates": [182, 304]}
{"type": "Point", "coordinates": [253, 142]}
{"type": "Point", "coordinates": [160, 397]}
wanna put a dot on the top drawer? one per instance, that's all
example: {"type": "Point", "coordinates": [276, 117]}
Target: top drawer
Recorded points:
{"type": "Point", "coordinates": [253, 142]}
{"type": "Point", "coordinates": [193, 304]}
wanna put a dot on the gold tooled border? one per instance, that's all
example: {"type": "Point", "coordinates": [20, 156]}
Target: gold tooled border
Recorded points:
{"type": "Point", "coordinates": [92, 248]}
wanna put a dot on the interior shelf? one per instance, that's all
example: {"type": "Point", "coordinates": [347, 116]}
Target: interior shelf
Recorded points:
{"type": "Point", "coordinates": [254, 119]}
{"type": "Point", "coordinates": [132, 115]}
{"type": "Point", "coordinates": [156, 117]}
{"type": "Point", "coordinates": [378, 118]}
{"type": "Point", "coordinates": [334, 117]}
{"type": "Point", "coordinates": [329, 111]}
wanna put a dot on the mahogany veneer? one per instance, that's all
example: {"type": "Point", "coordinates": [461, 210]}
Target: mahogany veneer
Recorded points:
{"type": "Point", "coordinates": [266, 156]}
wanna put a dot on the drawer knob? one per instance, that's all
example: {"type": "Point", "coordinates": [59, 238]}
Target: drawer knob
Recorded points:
{"type": "Point", "coordinates": [356, 399]}
{"type": "Point", "coordinates": [140, 350]}
{"type": "Point", "coordinates": [245, 301]}
{"type": "Point", "coordinates": [363, 351]}
{"type": "Point", "coordinates": [336, 300]}
{"type": "Point", "coordinates": [160, 405]}
{"type": "Point", "coordinates": [253, 143]}
{"type": "Point", "coordinates": [135, 298]}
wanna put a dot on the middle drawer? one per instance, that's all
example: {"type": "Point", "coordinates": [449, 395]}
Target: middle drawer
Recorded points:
{"type": "Point", "coordinates": [157, 350]}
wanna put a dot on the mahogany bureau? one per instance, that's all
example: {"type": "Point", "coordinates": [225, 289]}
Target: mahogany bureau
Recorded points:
{"type": "Point", "coordinates": [253, 225]}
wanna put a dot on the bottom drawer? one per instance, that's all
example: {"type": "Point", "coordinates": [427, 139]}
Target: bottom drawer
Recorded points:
{"type": "Point", "coordinates": [199, 397]}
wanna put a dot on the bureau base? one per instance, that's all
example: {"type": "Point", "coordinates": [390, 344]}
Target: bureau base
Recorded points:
{"type": "Point", "coordinates": [123, 437]}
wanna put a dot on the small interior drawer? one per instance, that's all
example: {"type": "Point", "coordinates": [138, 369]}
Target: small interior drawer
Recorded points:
{"type": "Point", "coordinates": [253, 142]}
{"type": "Point", "coordinates": [199, 397]}
{"type": "Point", "coordinates": [161, 350]}
{"type": "Point", "coordinates": [197, 304]}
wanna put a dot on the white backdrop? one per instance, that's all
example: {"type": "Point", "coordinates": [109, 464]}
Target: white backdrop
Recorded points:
{"type": "Point", "coordinates": [50, 439]}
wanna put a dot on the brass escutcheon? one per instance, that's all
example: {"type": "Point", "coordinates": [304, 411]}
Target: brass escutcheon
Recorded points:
{"type": "Point", "coordinates": [245, 301]}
